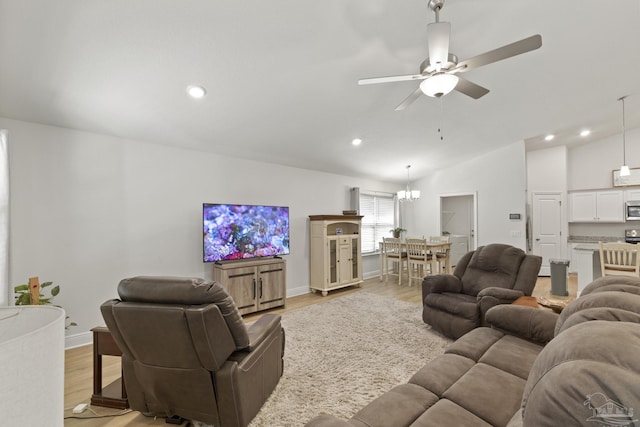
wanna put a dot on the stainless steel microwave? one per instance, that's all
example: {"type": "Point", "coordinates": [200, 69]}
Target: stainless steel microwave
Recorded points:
{"type": "Point", "coordinates": [632, 210]}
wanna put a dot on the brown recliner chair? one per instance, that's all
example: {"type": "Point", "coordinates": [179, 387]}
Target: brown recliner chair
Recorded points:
{"type": "Point", "coordinates": [454, 304]}
{"type": "Point", "coordinates": [186, 351]}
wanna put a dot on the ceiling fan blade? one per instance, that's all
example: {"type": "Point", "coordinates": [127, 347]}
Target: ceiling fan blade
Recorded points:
{"type": "Point", "coordinates": [438, 37]}
{"type": "Point", "coordinates": [471, 89]}
{"type": "Point", "coordinates": [391, 79]}
{"type": "Point", "coordinates": [504, 52]}
{"type": "Point", "coordinates": [409, 99]}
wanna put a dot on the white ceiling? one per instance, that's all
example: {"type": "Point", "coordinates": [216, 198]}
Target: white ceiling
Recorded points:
{"type": "Point", "coordinates": [282, 76]}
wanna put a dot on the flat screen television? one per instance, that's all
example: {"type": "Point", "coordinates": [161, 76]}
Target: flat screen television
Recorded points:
{"type": "Point", "coordinates": [233, 232]}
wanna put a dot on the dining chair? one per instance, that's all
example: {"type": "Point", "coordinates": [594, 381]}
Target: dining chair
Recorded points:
{"type": "Point", "coordinates": [443, 254]}
{"type": "Point", "coordinates": [393, 251]}
{"type": "Point", "coordinates": [619, 259]}
{"type": "Point", "coordinates": [418, 257]}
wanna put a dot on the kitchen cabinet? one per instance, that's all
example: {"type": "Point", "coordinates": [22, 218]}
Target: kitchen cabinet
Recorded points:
{"type": "Point", "coordinates": [336, 259]}
{"type": "Point", "coordinates": [633, 194]}
{"type": "Point", "coordinates": [596, 206]}
{"type": "Point", "coordinates": [254, 285]}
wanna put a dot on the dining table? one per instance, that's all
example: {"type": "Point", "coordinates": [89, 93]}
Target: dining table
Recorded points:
{"type": "Point", "coordinates": [432, 247]}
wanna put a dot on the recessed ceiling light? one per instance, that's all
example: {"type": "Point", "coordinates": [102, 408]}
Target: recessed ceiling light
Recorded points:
{"type": "Point", "coordinates": [356, 141]}
{"type": "Point", "coordinates": [549, 137]}
{"type": "Point", "coordinates": [196, 92]}
{"type": "Point", "coordinates": [585, 132]}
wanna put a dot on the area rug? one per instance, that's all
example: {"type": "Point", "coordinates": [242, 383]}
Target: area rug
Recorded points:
{"type": "Point", "coordinates": [343, 353]}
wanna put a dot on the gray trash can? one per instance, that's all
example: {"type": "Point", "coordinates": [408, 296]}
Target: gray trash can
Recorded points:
{"type": "Point", "coordinates": [559, 271]}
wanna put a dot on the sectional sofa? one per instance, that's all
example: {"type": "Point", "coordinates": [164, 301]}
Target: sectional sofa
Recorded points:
{"type": "Point", "coordinates": [530, 367]}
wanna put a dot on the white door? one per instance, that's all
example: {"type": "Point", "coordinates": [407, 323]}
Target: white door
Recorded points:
{"type": "Point", "coordinates": [547, 228]}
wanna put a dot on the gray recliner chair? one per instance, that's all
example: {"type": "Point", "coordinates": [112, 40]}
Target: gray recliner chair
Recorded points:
{"type": "Point", "coordinates": [186, 351]}
{"type": "Point", "coordinates": [454, 304]}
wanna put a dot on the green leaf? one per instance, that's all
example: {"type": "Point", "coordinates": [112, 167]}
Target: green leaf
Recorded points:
{"type": "Point", "coordinates": [45, 284]}
{"type": "Point", "coordinates": [55, 291]}
{"type": "Point", "coordinates": [23, 299]}
{"type": "Point", "coordinates": [44, 301]}
{"type": "Point", "coordinates": [21, 288]}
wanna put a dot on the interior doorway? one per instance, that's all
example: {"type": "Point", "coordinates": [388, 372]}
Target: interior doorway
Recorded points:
{"type": "Point", "coordinates": [459, 219]}
{"type": "Point", "coordinates": [547, 228]}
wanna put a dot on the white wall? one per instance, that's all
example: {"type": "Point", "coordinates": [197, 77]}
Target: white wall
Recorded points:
{"type": "Point", "coordinates": [590, 166]}
{"type": "Point", "coordinates": [547, 170]}
{"type": "Point", "coordinates": [498, 177]}
{"type": "Point", "coordinates": [88, 210]}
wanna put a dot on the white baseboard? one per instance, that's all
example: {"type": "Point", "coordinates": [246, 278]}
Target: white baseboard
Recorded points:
{"type": "Point", "coordinates": [371, 274]}
{"type": "Point", "coordinates": [300, 290]}
{"type": "Point", "coordinates": [78, 340]}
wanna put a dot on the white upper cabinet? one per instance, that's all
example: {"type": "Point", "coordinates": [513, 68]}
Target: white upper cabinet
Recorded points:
{"type": "Point", "coordinates": [633, 194]}
{"type": "Point", "coordinates": [596, 206]}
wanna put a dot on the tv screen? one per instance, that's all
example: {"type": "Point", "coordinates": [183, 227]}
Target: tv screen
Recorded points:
{"type": "Point", "coordinates": [234, 232]}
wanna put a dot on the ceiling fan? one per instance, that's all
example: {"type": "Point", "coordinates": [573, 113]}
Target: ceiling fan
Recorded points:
{"type": "Point", "coordinates": [439, 71]}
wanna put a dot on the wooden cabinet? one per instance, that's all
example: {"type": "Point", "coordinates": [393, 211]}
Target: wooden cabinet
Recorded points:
{"type": "Point", "coordinates": [336, 259]}
{"type": "Point", "coordinates": [596, 206]}
{"type": "Point", "coordinates": [254, 285]}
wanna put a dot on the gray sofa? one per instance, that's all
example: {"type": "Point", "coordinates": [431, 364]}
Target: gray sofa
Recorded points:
{"type": "Point", "coordinates": [532, 367]}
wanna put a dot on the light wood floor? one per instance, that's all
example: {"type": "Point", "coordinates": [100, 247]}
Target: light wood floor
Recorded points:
{"type": "Point", "coordinates": [79, 361]}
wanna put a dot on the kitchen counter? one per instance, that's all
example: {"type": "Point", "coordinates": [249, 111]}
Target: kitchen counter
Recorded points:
{"type": "Point", "coordinates": [593, 239]}
{"type": "Point", "coordinates": [587, 247]}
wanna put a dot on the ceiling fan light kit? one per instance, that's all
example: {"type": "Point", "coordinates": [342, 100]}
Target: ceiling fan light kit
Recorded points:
{"type": "Point", "coordinates": [438, 71]}
{"type": "Point", "coordinates": [439, 85]}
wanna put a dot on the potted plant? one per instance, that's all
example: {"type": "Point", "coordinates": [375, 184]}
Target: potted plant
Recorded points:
{"type": "Point", "coordinates": [397, 232]}
{"type": "Point", "coordinates": [30, 294]}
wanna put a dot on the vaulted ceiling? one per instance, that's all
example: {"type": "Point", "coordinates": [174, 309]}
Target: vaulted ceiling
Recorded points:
{"type": "Point", "coordinates": [281, 76]}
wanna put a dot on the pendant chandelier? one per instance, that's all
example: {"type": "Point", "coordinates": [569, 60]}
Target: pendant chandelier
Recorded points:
{"type": "Point", "coordinates": [408, 195]}
{"type": "Point", "coordinates": [624, 169]}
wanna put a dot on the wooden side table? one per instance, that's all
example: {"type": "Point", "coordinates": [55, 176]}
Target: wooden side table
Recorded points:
{"type": "Point", "coordinates": [114, 395]}
{"type": "Point", "coordinates": [541, 303]}
{"type": "Point", "coordinates": [527, 302]}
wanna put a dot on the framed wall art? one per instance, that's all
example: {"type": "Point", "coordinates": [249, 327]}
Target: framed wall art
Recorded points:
{"type": "Point", "coordinates": [626, 181]}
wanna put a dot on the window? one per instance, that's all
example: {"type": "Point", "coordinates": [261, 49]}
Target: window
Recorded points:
{"type": "Point", "coordinates": [379, 213]}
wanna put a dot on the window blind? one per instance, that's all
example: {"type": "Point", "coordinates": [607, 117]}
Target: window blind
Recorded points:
{"type": "Point", "coordinates": [378, 211]}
